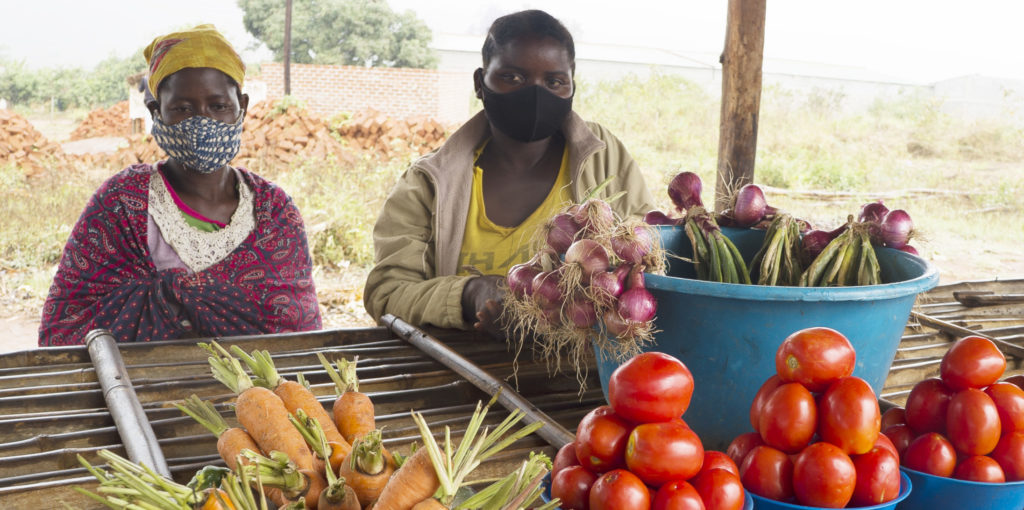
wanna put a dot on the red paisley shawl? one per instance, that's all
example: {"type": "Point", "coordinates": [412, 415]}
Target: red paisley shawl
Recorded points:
{"type": "Point", "coordinates": [106, 278]}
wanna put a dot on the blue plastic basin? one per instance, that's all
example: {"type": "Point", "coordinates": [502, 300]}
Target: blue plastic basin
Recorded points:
{"type": "Point", "coordinates": [938, 493]}
{"type": "Point", "coordinates": [727, 334]}
{"type": "Point", "coordinates": [905, 491]}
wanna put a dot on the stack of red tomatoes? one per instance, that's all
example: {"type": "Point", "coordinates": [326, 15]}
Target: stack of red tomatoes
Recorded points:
{"type": "Point", "coordinates": [638, 453]}
{"type": "Point", "coordinates": [817, 437]}
{"type": "Point", "coordinates": [963, 424]}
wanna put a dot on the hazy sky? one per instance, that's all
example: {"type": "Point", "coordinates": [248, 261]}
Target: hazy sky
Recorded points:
{"type": "Point", "coordinates": [916, 40]}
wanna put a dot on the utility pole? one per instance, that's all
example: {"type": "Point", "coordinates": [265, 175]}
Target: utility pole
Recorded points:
{"type": "Point", "coordinates": [741, 97]}
{"type": "Point", "coordinates": [287, 47]}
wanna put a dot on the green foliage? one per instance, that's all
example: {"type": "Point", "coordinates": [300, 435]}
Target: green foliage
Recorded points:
{"type": "Point", "coordinates": [342, 32]}
{"type": "Point", "coordinates": [65, 88]}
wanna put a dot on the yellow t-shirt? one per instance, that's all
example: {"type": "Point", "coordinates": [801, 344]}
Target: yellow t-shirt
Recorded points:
{"type": "Point", "coordinates": [492, 248]}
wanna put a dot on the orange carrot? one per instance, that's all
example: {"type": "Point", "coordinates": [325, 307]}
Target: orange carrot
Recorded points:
{"type": "Point", "coordinates": [415, 481]}
{"type": "Point", "coordinates": [353, 411]}
{"type": "Point", "coordinates": [259, 410]}
{"type": "Point", "coordinates": [217, 499]}
{"type": "Point", "coordinates": [366, 469]}
{"type": "Point", "coordinates": [338, 496]}
{"type": "Point", "coordinates": [429, 504]}
{"type": "Point", "coordinates": [230, 440]}
{"type": "Point", "coordinates": [294, 395]}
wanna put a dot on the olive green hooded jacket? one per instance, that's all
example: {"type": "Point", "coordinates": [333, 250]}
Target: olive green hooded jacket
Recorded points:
{"type": "Point", "coordinates": [418, 234]}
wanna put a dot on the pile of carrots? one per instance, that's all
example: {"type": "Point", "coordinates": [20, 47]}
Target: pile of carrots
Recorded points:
{"type": "Point", "coordinates": [291, 451]}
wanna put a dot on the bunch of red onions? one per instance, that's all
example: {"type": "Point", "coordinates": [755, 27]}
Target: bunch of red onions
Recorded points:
{"type": "Point", "coordinates": [889, 228]}
{"type": "Point", "coordinates": [585, 284]}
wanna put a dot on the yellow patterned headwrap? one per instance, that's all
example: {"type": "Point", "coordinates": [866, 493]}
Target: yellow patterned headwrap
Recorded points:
{"type": "Point", "coordinates": [202, 46]}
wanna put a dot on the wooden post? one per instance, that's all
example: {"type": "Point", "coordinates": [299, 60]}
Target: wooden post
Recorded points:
{"type": "Point", "coordinates": [741, 97]}
{"type": "Point", "coordinates": [287, 47]}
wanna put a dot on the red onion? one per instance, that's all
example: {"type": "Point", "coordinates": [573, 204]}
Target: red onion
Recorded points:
{"type": "Point", "coordinates": [659, 218]}
{"type": "Point", "coordinates": [615, 324]}
{"type": "Point", "coordinates": [631, 245]}
{"type": "Point", "coordinates": [545, 287]}
{"type": "Point", "coordinates": [520, 278]}
{"type": "Point", "coordinates": [725, 219]}
{"type": "Point", "coordinates": [606, 283]}
{"type": "Point", "coordinates": [581, 313]}
{"type": "Point", "coordinates": [552, 313]}
{"type": "Point", "coordinates": [909, 249]}
{"type": "Point", "coordinates": [595, 215]}
{"type": "Point", "coordinates": [815, 241]}
{"type": "Point", "coordinates": [872, 211]}
{"type": "Point", "coordinates": [684, 190]}
{"type": "Point", "coordinates": [562, 230]}
{"type": "Point", "coordinates": [622, 272]}
{"type": "Point", "coordinates": [637, 304]}
{"type": "Point", "coordinates": [896, 229]}
{"type": "Point", "coordinates": [750, 205]}
{"type": "Point", "coordinates": [589, 255]}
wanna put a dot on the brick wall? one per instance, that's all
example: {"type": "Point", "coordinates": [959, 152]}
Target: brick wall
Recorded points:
{"type": "Point", "coordinates": [398, 92]}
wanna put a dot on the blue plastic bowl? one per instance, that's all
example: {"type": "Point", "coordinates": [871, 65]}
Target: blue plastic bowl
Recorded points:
{"type": "Point", "coordinates": [939, 493]}
{"type": "Point", "coordinates": [905, 490]}
{"type": "Point", "coordinates": [727, 334]}
{"type": "Point", "coordinates": [748, 502]}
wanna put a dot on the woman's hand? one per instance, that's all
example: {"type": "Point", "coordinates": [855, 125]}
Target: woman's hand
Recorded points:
{"type": "Point", "coordinates": [481, 304]}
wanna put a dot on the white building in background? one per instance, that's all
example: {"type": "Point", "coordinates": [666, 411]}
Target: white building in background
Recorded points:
{"type": "Point", "coordinates": [855, 88]}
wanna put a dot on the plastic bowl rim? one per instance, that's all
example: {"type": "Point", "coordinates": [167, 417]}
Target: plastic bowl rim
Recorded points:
{"type": "Point", "coordinates": [913, 286]}
{"type": "Point", "coordinates": [904, 479]}
{"type": "Point", "coordinates": [922, 474]}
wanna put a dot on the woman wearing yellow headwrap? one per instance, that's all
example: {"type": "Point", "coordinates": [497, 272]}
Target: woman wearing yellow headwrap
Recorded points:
{"type": "Point", "coordinates": [190, 246]}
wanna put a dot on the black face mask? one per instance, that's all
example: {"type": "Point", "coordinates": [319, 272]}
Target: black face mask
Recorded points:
{"type": "Point", "coordinates": [528, 114]}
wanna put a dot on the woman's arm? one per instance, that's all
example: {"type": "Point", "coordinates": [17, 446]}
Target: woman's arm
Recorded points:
{"type": "Point", "coordinates": [404, 280]}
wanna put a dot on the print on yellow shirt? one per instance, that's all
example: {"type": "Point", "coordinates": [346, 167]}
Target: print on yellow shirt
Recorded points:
{"type": "Point", "coordinates": [492, 248]}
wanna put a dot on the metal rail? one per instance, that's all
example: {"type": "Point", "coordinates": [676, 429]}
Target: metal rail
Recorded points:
{"type": "Point", "coordinates": [552, 432]}
{"type": "Point", "coordinates": [960, 331]}
{"type": "Point", "coordinates": [132, 425]}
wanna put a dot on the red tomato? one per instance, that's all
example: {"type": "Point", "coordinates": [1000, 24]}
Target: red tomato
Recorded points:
{"type": "Point", "coordinates": [893, 416]}
{"type": "Point", "coordinates": [927, 405]}
{"type": "Point", "coordinates": [1009, 453]}
{"type": "Point", "coordinates": [664, 451]}
{"type": "Point", "coordinates": [931, 453]}
{"type": "Point", "coordinates": [619, 490]}
{"type": "Point", "coordinates": [972, 362]}
{"type": "Point", "coordinates": [601, 440]}
{"type": "Point", "coordinates": [885, 443]}
{"type": "Point", "coordinates": [1016, 380]}
{"type": "Point", "coordinates": [719, 460]}
{"type": "Point", "coordinates": [878, 477]}
{"type": "Point", "coordinates": [768, 472]}
{"type": "Point", "coordinates": [900, 436]}
{"type": "Point", "coordinates": [652, 386]}
{"type": "Point", "coordinates": [815, 357]}
{"type": "Point", "coordinates": [789, 418]}
{"type": "Point", "coordinates": [823, 475]}
{"type": "Point", "coordinates": [972, 422]}
{"type": "Point", "coordinates": [741, 445]}
{"type": "Point", "coordinates": [761, 397]}
{"type": "Point", "coordinates": [677, 495]}
{"type": "Point", "coordinates": [979, 468]}
{"type": "Point", "coordinates": [572, 485]}
{"type": "Point", "coordinates": [1009, 400]}
{"type": "Point", "coordinates": [848, 415]}
{"type": "Point", "coordinates": [719, 489]}
{"type": "Point", "coordinates": [565, 457]}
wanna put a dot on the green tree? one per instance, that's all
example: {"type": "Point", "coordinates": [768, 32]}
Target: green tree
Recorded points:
{"type": "Point", "coordinates": [342, 32]}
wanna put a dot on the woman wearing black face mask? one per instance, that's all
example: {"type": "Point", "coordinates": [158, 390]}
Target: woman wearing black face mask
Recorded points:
{"type": "Point", "coordinates": [478, 200]}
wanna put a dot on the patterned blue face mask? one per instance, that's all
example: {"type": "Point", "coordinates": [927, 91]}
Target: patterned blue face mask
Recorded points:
{"type": "Point", "coordinates": [200, 143]}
